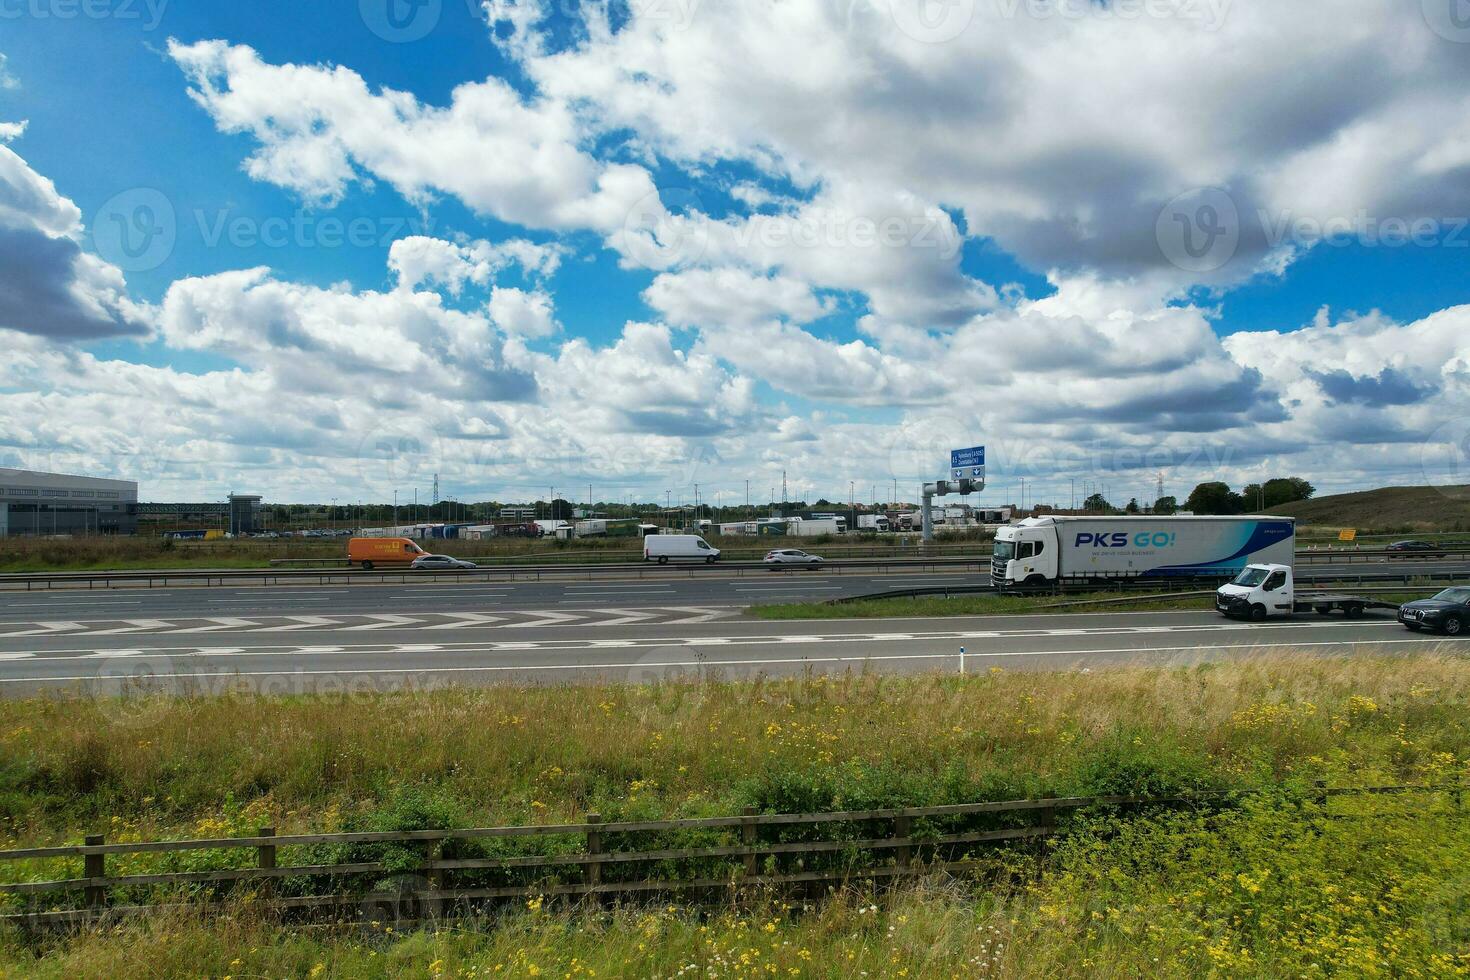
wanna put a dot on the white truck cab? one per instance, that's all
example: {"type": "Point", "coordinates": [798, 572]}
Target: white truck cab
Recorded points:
{"type": "Point", "coordinates": [1258, 592]}
{"type": "Point", "coordinates": [1025, 554]}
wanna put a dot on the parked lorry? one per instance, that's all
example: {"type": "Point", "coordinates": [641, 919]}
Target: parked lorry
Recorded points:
{"type": "Point", "coordinates": [1050, 551]}
{"type": "Point", "coordinates": [873, 522]}
{"type": "Point", "coordinates": [600, 528]}
{"type": "Point", "coordinates": [1266, 591]}
{"type": "Point", "coordinates": [373, 552]}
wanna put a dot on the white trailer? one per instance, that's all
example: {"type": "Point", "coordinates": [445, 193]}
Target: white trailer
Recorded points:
{"type": "Point", "coordinates": [872, 522]}
{"type": "Point", "coordinates": [1050, 551]}
{"type": "Point", "coordinates": [814, 528]}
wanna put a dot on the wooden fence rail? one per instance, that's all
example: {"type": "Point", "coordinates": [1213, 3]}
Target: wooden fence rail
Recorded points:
{"type": "Point", "coordinates": [431, 881]}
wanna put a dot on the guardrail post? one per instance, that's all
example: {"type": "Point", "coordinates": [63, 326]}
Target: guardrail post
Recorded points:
{"type": "Point", "coordinates": [95, 866]}
{"type": "Point", "coordinates": [747, 837]}
{"type": "Point", "coordinates": [902, 826]}
{"type": "Point", "coordinates": [266, 859]}
{"type": "Point", "coordinates": [594, 847]}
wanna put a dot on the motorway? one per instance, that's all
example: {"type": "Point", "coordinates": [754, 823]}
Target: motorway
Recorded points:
{"type": "Point", "coordinates": [302, 639]}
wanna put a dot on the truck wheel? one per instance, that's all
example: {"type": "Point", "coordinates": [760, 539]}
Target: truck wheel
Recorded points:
{"type": "Point", "coordinates": [367, 566]}
{"type": "Point", "coordinates": [663, 560]}
{"type": "Point", "coordinates": [1353, 610]}
{"type": "Point", "coordinates": [1453, 626]}
{"type": "Point", "coordinates": [1258, 613]}
{"type": "Point", "coordinates": [1322, 610]}
{"type": "Point", "coordinates": [710, 560]}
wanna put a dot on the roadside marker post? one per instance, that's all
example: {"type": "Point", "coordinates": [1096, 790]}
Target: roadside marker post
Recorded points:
{"type": "Point", "coordinates": [962, 661]}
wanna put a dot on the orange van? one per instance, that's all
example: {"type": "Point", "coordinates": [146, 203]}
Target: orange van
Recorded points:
{"type": "Point", "coordinates": [368, 552]}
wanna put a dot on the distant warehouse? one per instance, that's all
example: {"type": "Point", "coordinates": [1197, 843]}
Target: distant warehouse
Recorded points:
{"type": "Point", "coordinates": [35, 504]}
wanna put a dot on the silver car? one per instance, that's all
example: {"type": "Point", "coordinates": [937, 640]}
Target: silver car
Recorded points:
{"type": "Point", "coordinates": [443, 563]}
{"type": "Point", "coordinates": [775, 560]}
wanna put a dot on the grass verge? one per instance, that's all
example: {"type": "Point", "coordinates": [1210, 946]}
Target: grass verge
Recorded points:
{"type": "Point", "coordinates": [1265, 890]}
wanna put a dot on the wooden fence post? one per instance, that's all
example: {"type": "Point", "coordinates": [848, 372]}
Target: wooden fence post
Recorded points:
{"type": "Point", "coordinates": [266, 859]}
{"type": "Point", "coordinates": [902, 825]}
{"type": "Point", "coordinates": [594, 847]}
{"type": "Point", "coordinates": [95, 866]}
{"type": "Point", "coordinates": [747, 837]}
{"type": "Point", "coordinates": [435, 906]}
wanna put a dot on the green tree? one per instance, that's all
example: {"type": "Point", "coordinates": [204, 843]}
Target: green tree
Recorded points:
{"type": "Point", "coordinates": [1133, 507]}
{"type": "Point", "coordinates": [1287, 490]}
{"type": "Point", "coordinates": [1166, 505]}
{"type": "Point", "coordinates": [1214, 498]}
{"type": "Point", "coordinates": [1097, 504]}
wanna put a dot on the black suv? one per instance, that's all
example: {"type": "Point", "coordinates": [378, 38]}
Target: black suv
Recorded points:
{"type": "Point", "coordinates": [1448, 612]}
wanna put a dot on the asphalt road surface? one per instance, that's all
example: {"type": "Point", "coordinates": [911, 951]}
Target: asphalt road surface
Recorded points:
{"type": "Point", "coordinates": [654, 588]}
{"type": "Point", "coordinates": [297, 655]}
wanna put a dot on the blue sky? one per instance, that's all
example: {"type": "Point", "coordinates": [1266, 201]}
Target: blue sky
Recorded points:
{"type": "Point", "coordinates": [635, 246]}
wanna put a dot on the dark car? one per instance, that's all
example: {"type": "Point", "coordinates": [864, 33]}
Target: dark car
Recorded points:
{"type": "Point", "coordinates": [1414, 548]}
{"type": "Point", "coordinates": [1448, 612]}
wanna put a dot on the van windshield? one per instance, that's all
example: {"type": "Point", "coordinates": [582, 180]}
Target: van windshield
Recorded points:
{"type": "Point", "coordinates": [1005, 550]}
{"type": "Point", "coordinates": [1251, 577]}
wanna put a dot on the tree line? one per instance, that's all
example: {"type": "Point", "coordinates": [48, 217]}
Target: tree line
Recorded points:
{"type": "Point", "coordinates": [1215, 498]}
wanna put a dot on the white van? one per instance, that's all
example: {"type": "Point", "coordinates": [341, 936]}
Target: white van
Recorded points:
{"type": "Point", "coordinates": [664, 548]}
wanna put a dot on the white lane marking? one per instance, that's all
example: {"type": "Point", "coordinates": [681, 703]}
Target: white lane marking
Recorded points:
{"type": "Point", "coordinates": [421, 601]}
{"type": "Point", "coordinates": [549, 619]}
{"type": "Point", "coordinates": [757, 639]}
{"type": "Point", "coordinates": [303, 622]}
{"type": "Point", "coordinates": [16, 656]}
{"type": "Point", "coordinates": [262, 601]}
{"type": "Point", "coordinates": [466, 621]}
{"type": "Point", "coordinates": [220, 623]}
{"type": "Point", "coordinates": [47, 629]}
{"type": "Point", "coordinates": [622, 617]}
{"type": "Point", "coordinates": [702, 615]}
{"type": "Point", "coordinates": [383, 622]}
{"type": "Point", "coordinates": [782, 661]}
{"type": "Point", "coordinates": [135, 626]}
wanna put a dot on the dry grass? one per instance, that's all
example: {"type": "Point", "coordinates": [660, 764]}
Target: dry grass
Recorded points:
{"type": "Point", "coordinates": [513, 754]}
{"type": "Point", "coordinates": [1263, 891]}
{"type": "Point", "coordinates": [1400, 510]}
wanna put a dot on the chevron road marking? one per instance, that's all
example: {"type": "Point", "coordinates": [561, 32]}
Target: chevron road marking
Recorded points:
{"type": "Point", "coordinates": [466, 621]}
{"type": "Point", "coordinates": [384, 622]}
{"type": "Point", "coordinates": [220, 623]}
{"type": "Point", "coordinates": [136, 626]}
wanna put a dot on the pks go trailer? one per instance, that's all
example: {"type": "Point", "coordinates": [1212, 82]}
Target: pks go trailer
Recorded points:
{"type": "Point", "coordinates": [1051, 551]}
{"type": "Point", "coordinates": [664, 548]}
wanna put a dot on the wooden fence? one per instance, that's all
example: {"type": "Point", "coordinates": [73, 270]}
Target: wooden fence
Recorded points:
{"type": "Point", "coordinates": [432, 873]}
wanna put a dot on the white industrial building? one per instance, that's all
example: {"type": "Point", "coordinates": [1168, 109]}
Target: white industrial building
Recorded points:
{"type": "Point", "coordinates": [36, 504]}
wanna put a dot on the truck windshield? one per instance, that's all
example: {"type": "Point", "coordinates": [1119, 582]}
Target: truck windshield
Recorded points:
{"type": "Point", "coordinates": [1251, 577]}
{"type": "Point", "coordinates": [1005, 550]}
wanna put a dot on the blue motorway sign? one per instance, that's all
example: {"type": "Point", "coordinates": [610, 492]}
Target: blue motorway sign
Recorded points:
{"type": "Point", "coordinates": [967, 464]}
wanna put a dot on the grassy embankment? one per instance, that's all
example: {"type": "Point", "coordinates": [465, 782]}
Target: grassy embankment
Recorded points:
{"type": "Point", "coordinates": [1265, 890]}
{"type": "Point", "coordinates": [1403, 511]}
